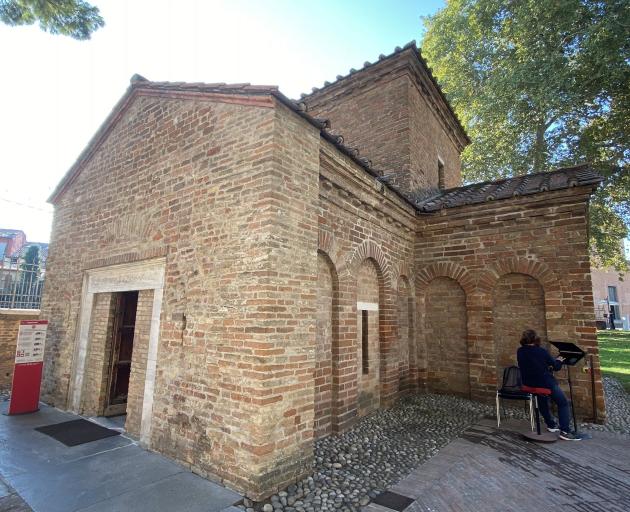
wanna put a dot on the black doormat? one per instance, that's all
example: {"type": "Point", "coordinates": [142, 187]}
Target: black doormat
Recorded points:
{"type": "Point", "coordinates": [392, 500]}
{"type": "Point", "coordinates": [75, 432]}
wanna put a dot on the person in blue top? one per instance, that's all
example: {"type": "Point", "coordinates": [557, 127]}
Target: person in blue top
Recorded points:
{"type": "Point", "coordinates": [537, 367]}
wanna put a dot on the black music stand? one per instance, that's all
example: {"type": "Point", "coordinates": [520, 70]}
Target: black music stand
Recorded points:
{"type": "Point", "coordinates": [572, 355]}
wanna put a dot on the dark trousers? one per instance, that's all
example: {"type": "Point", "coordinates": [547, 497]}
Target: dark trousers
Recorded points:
{"type": "Point", "coordinates": [563, 409]}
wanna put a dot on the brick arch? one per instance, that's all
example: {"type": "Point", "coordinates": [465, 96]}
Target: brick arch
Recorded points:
{"type": "Point", "coordinates": [446, 269]}
{"type": "Point", "coordinates": [518, 265]}
{"type": "Point", "coordinates": [327, 243]}
{"type": "Point", "coordinates": [368, 250]}
{"type": "Point", "coordinates": [404, 271]}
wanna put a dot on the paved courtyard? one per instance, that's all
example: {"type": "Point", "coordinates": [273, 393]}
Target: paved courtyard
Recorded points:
{"type": "Point", "coordinates": [438, 451]}
{"type": "Point", "coordinates": [113, 474]}
{"type": "Point", "coordinates": [489, 469]}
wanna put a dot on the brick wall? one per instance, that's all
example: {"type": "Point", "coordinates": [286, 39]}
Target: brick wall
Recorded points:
{"type": "Point", "coordinates": [326, 288]}
{"type": "Point", "coordinates": [519, 304]}
{"type": "Point", "coordinates": [391, 112]}
{"type": "Point", "coordinates": [9, 326]}
{"type": "Point", "coordinates": [99, 357]}
{"type": "Point", "coordinates": [429, 143]}
{"type": "Point", "coordinates": [542, 236]}
{"type": "Point", "coordinates": [222, 190]}
{"type": "Point", "coordinates": [359, 221]}
{"type": "Point", "coordinates": [368, 361]}
{"type": "Point", "coordinates": [270, 237]}
{"type": "Point", "coordinates": [142, 328]}
{"type": "Point", "coordinates": [445, 335]}
{"type": "Point", "coordinates": [406, 339]}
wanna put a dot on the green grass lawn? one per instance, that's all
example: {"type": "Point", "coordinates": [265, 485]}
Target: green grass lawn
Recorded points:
{"type": "Point", "coordinates": [614, 355]}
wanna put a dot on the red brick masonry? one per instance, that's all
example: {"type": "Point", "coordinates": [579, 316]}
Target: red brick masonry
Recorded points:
{"type": "Point", "coordinates": [276, 235]}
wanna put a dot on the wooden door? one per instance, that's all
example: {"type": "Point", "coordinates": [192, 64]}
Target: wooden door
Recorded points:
{"type": "Point", "coordinates": [122, 351]}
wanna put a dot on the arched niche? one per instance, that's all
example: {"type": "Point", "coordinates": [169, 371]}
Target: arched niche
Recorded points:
{"type": "Point", "coordinates": [447, 365]}
{"type": "Point", "coordinates": [326, 336]}
{"type": "Point", "coordinates": [406, 347]}
{"type": "Point", "coordinates": [368, 337]}
{"type": "Point", "coordinates": [518, 304]}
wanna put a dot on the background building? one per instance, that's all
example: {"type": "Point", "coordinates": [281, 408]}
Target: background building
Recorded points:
{"type": "Point", "coordinates": [611, 296]}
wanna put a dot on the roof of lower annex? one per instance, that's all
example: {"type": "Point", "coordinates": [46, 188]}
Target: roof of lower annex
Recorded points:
{"type": "Point", "coordinates": [528, 184]}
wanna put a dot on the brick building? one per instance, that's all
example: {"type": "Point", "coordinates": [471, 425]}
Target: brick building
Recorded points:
{"type": "Point", "coordinates": [611, 295]}
{"type": "Point", "coordinates": [227, 269]}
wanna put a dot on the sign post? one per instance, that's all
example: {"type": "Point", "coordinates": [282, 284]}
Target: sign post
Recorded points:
{"type": "Point", "coordinates": [29, 362]}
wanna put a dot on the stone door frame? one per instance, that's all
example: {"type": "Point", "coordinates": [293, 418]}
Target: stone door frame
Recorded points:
{"type": "Point", "coordinates": [142, 275]}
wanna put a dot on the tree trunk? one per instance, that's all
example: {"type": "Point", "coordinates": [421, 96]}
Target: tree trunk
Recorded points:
{"type": "Point", "coordinates": [540, 147]}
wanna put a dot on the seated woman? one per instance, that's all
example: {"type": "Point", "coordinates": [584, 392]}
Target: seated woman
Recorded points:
{"type": "Point", "coordinates": [537, 367]}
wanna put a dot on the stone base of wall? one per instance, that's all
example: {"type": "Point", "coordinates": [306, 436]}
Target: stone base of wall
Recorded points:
{"type": "Point", "coordinates": [9, 325]}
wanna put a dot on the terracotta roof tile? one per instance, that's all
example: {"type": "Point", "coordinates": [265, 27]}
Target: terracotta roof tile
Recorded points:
{"type": "Point", "coordinates": [511, 187]}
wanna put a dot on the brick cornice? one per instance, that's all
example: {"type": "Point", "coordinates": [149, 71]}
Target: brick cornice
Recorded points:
{"type": "Point", "coordinates": [349, 186]}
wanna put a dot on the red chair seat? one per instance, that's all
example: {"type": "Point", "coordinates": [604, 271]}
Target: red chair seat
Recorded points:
{"type": "Point", "coordinates": [536, 391]}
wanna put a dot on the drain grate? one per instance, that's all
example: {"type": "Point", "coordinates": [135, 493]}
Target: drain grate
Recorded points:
{"type": "Point", "coordinates": [393, 500]}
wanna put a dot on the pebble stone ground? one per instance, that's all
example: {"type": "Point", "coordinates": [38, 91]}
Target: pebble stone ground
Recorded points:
{"type": "Point", "coordinates": [353, 468]}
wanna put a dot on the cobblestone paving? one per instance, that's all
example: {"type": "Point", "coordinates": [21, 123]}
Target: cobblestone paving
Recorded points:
{"type": "Point", "coordinates": [353, 468]}
{"type": "Point", "coordinates": [617, 408]}
{"type": "Point", "coordinates": [11, 501]}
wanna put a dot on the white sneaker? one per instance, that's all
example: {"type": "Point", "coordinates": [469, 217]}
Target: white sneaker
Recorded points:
{"type": "Point", "coordinates": [553, 429]}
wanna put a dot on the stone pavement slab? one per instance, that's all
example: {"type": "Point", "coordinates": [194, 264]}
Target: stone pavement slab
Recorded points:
{"type": "Point", "coordinates": [490, 469]}
{"type": "Point", "coordinates": [109, 474]}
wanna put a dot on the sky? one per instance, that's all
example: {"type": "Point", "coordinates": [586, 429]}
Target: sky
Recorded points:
{"type": "Point", "coordinates": [55, 91]}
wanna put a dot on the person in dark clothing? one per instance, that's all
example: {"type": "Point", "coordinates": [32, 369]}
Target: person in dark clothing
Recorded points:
{"type": "Point", "coordinates": [537, 367]}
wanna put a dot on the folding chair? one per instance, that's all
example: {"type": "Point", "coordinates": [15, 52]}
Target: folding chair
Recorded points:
{"type": "Point", "coordinates": [511, 390]}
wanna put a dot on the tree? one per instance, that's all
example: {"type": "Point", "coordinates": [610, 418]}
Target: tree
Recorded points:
{"type": "Point", "coordinates": [74, 18]}
{"type": "Point", "coordinates": [540, 84]}
{"type": "Point", "coordinates": [29, 286]}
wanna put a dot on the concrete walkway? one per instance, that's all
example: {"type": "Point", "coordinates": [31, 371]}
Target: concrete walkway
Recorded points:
{"type": "Point", "coordinates": [112, 474]}
{"type": "Point", "coordinates": [490, 469]}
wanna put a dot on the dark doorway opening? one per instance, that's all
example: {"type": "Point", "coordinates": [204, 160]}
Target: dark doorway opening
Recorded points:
{"type": "Point", "coordinates": [122, 351]}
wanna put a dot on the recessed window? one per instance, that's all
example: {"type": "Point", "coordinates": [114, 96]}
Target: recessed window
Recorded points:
{"type": "Point", "coordinates": [365, 362]}
{"type": "Point", "coordinates": [441, 184]}
{"type": "Point", "coordinates": [612, 294]}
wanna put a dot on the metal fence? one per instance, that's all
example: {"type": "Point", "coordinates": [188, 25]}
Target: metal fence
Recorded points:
{"type": "Point", "coordinates": [21, 286]}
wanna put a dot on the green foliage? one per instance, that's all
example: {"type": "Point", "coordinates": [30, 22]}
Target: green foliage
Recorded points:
{"type": "Point", "coordinates": [31, 258]}
{"type": "Point", "coordinates": [614, 355]}
{"type": "Point", "coordinates": [74, 18]}
{"type": "Point", "coordinates": [29, 269]}
{"type": "Point", "coordinates": [540, 84]}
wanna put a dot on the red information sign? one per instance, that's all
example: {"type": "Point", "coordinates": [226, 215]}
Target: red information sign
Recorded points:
{"type": "Point", "coordinates": [29, 362]}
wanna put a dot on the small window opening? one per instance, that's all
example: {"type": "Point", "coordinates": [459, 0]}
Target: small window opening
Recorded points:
{"type": "Point", "coordinates": [612, 294]}
{"type": "Point", "coordinates": [364, 342]}
{"type": "Point", "coordinates": [441, 185]}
